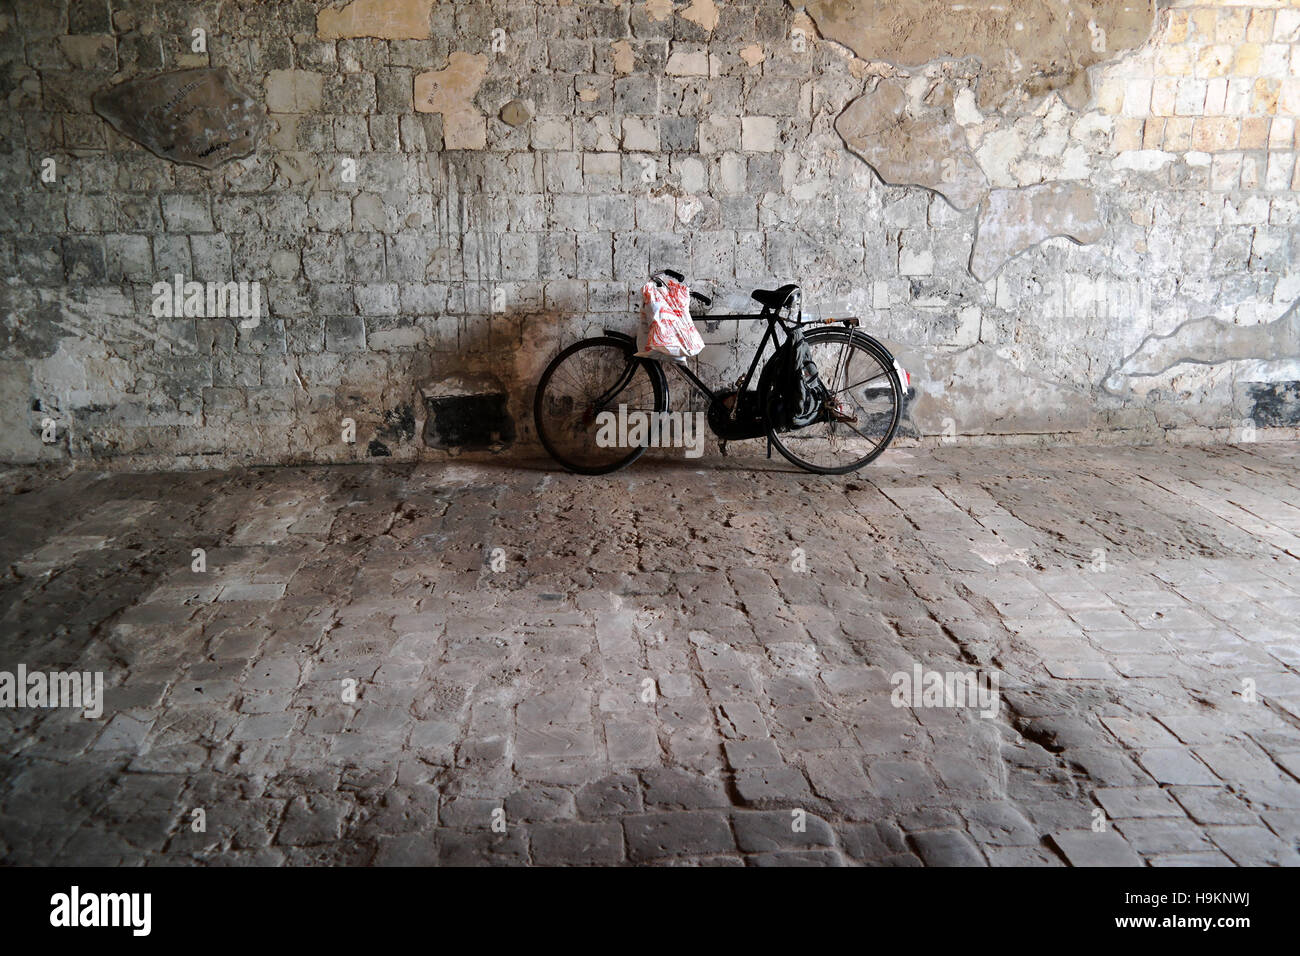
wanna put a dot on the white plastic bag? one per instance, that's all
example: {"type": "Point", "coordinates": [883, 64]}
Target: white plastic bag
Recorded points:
{"type": "Point", "coordinates": [669, 329]}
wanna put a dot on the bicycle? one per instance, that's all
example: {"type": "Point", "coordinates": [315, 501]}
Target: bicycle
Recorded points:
{"type": "Point", "coordinates": [605, 372]}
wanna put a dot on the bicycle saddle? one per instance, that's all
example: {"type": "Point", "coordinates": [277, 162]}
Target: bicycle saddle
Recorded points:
{"type": "Point", "coordinates": [774, 298]}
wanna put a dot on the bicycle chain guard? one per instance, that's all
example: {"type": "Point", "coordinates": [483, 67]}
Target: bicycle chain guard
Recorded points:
{"type": "Point", "coordinates": [748, 421]}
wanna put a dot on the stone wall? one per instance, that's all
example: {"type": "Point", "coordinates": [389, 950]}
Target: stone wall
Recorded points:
{"type": "Point", "coordinates": [1092, 238]}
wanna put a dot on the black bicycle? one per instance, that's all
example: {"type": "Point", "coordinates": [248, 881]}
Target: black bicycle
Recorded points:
{"type": "Point", "coordinates": [862, 389]}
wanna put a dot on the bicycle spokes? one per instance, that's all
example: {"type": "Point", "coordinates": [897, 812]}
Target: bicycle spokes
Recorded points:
{"type": "Point", "coordinates": [861, 411]}
{"type": "Point", "coordinates": [592, 377]}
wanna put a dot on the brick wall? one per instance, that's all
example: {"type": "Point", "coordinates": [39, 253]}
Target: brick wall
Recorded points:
{"type": "Point", "coordinates": [522, 168]}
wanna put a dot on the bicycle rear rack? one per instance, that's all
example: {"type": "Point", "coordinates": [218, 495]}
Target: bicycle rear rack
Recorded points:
{"type": "Point", "coordinates": [851, 321]}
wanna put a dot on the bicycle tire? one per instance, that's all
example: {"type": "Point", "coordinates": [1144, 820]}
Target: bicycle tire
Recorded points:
{"type": "Point", "coordinates": [657, 382]}
{"type": "Point", "coordinates": [885, 359]}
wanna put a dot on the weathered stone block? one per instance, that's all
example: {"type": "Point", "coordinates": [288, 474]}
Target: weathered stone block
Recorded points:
{"type": "Point", "coordinates": [386, 19]}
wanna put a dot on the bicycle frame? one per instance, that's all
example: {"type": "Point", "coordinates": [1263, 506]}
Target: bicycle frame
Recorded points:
{"type": "Point", "coordinates": [772, 319]}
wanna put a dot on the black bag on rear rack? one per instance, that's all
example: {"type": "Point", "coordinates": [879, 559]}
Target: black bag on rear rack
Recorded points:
{"type": "Point", "coordinates": [800, 395]}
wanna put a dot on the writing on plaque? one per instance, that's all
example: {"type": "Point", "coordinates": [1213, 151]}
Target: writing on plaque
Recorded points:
{"type": "Point", "coordinates": [199, 117]}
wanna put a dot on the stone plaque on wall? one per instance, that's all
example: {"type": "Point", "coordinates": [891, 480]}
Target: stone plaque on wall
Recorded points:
{"type": "Point", "coordinates": [200, 117]}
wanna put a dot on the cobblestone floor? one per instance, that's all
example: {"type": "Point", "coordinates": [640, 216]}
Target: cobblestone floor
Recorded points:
{"type": "Point", "coordinates": [642, 673]}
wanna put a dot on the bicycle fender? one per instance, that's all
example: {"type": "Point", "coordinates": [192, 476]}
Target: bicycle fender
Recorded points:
{"type": "Point", "coordinates": [874, 343]}
{"type": "Point", "coordinates": [903, 377]}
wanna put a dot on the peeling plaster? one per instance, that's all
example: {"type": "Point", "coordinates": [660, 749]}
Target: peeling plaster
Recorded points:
{"type": "Point", "coordinates": [201, 117]}
{"type": "Point", "coordinates": [1029, 47]}
{"type": "Point", "coordinates": [1013, 220]}
{"type": "Point", "coordinates": [1208, 341]}
{"type": "Point", "coordinates": [919, 131]}
{"type": "Point", "coordinates": [703, 13]}
{"type": "Point", "coordinates": [658, 10]}
{"type": "Point", "coordinates": [451, 92]}
{"type": "Point", "coordinates": [910, 142]}
{"type": "Point", "coordinates": [624, 59]}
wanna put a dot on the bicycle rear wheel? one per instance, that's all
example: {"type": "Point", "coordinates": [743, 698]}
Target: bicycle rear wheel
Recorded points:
{"type": "Point", "coordinates": [861, 377]}
{"type": "Point", "coordinates": [589, 377]}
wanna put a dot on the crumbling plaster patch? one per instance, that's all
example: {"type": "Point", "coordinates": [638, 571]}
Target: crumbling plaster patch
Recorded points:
{"type": "Point", "coordinates": [200, 117]}
{"type": "Point", "coordinates": [703, 13]}
{"type": "Point", "coordinates": [926, 130]}
{"type": "Point", "coordinates": [1049, 143]}
{"type": "Point", "coordinates": [451, 92]}
{"type": "Point", "coordinates": [908, 135]}
{"type": "Point", "coordinates": [1207, 342]}
{"type": "Point", "coordinates": [1024, 46]}
{"type": "Point", "coordinates": [658, 10]}
{"type": "Point", "coordinates": [624, 58]}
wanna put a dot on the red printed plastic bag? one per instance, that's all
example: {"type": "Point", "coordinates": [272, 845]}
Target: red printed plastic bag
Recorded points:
{"type": "Point", "coordinates": [668, 313]}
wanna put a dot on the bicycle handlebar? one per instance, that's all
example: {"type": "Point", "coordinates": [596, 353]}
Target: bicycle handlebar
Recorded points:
{"type": "Point", "coordinates": [674, 274]}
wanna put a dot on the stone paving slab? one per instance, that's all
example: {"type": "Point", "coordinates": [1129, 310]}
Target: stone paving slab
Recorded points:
{"type": "Point", "coordinates": [1006, 657]}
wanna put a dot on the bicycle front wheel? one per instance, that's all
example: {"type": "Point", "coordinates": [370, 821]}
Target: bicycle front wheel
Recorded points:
{"type": "Point", "coordinates": [862, 415]}
{"type": "Point", "coordinates": [588, 378]}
